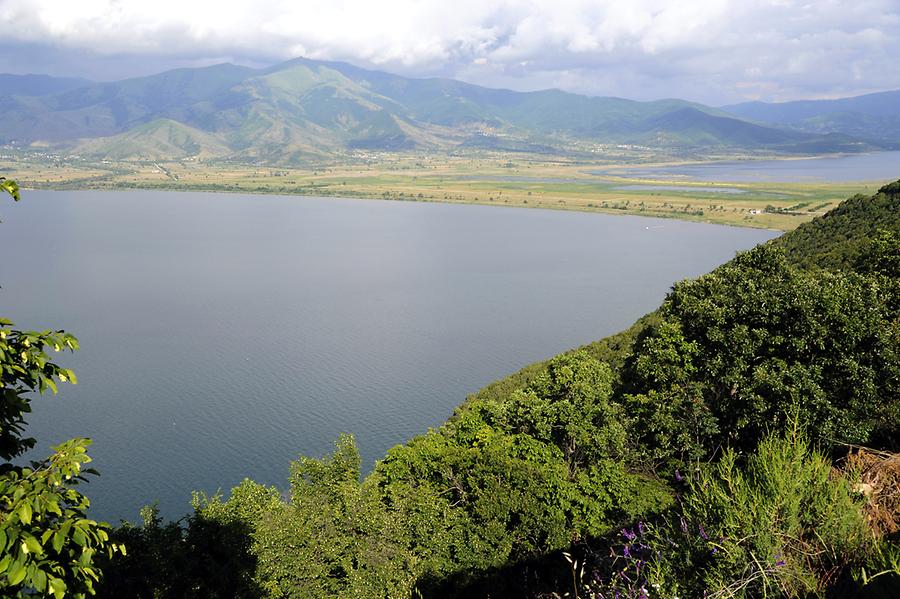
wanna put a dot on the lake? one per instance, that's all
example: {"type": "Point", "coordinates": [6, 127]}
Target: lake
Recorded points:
{"type": "Point", "coordinates": [875, 166]}
{"type": "Point", "coordinates": [686, 188]}
{"type": "Point", "coordinates": [224, 335]}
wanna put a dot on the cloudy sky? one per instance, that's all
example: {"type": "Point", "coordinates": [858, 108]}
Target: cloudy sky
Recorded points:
{"type": "Point", "coordinates": [713, 51]}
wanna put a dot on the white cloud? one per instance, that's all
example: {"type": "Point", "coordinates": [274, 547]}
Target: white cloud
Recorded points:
{"type": "Point", "coordinates": [703, 49]}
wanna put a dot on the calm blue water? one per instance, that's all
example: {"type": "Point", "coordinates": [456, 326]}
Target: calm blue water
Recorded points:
{"type": "Point", "coordinates": [689, 189]}
{"type": "Point", "coordinates": [224, 335]}
{"type": "Point", "coordinates": [877, 166]}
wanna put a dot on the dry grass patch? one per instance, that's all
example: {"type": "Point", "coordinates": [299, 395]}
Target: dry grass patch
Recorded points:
{"type": "Point", "coordinates": [878, 476]}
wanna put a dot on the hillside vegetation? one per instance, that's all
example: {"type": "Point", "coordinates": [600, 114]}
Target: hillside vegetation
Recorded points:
{"type": "Point", "coordinates": [840, 238]}
{"type": "Point", "coordinates": [707, 451]}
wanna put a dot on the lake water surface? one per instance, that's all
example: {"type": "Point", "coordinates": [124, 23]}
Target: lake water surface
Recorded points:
{"type": "Point", "coordinates": [224, 335]}
{"type": "Point", "coordinates": [876, 166]}
{"type": "Point", "coordinates": [690, 189]}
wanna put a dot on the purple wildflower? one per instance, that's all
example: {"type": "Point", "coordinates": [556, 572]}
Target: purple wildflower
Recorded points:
{"type": "Point", "coordinates": [703, 533]}
{"type": "Point", "coordinates": [683, 525]}
{"type": "Point", "coordinates": [678, 477]}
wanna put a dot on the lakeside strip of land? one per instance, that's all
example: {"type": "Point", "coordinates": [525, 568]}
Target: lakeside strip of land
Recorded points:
{"type": "Point", "coordinates": [491, 179]}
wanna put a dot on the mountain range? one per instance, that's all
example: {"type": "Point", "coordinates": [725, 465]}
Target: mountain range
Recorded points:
{"type": "Point", "coordinates": [875, 117]}
{"type": "Point", "coordinates": [305, 109]}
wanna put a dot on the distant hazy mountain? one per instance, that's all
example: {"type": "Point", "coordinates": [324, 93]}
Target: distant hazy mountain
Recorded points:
{"type": "Point", "coordinates": [874, 116]}
{"type": "Point", "coordinates": [37, 85]}
{"type": "Point", "coordinates": [305, 109]}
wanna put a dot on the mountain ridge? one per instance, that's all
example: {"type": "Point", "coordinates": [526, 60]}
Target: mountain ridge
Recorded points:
{"type": "Point", "coordinates": [873, 116]}
{"type": "Point", "coordinates": [306, 108]}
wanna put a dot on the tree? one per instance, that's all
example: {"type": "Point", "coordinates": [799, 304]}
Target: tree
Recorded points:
{"type": "Point", "coordinates": [881, 260]}
{"type": "Point", "coordinates": [757, 343]}
{"type": "Point", "coordinates": [47, 542]}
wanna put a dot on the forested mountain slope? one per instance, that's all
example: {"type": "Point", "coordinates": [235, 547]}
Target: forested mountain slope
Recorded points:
{"type": "Point", "coordinates": [838, 239]}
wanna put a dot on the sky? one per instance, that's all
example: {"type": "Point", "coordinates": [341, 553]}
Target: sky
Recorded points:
{"type": "Point", "coordinates": [711, 51]}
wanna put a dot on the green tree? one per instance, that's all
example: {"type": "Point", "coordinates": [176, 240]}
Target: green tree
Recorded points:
{"type": "Point", "coordinates": [881, 260]}
{"type": "Point", "coordinates": [520, 476]}
{"type": "Point", "coordinates": [47, 542]}
{"type": "Point", "coordinates": [333, 538]}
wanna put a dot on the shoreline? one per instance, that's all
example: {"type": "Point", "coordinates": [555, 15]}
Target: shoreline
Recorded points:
{"type": "Point", "coordinates": [564, 208]}
{"type": "Point", "coordinates": [493, 180]}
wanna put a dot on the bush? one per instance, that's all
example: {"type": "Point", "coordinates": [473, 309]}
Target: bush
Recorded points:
{"type": "Point", "coordinates": [519, 476]}
{"type": "Point", "coordinates": [755, 343]}
{"type": "Point", "coordinates": [781, 524]}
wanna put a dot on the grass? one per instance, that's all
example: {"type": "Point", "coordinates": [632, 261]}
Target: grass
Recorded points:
{"type": "Point", "coordinates": [495, 179]}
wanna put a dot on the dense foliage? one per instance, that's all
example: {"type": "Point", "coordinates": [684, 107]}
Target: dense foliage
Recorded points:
{"type": "Point", "coordinates": [689, 456]}
{"type": "Point", "coordinates": [837, 240]}
{"type": "Point", "coordinates": [47, 542]}
{"type": "Point", "coordinates": [758, 343]}
{"type": "Point", "coordinates": [776, 523]}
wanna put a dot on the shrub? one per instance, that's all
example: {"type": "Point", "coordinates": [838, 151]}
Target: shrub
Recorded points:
{"type": "Point", "coordinates": [756, 343]}
{"type": "Point", "coordinates": [779, 524]}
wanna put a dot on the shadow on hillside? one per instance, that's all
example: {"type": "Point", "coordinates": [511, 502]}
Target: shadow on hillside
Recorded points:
{"type": "Point", "coordinates": [192, 558]}
{"type": "Point", "coordinates": [552, 576]}
{"type": "Point", "coordinates": [535, 578]}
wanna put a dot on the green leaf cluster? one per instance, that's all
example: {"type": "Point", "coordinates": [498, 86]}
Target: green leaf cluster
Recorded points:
{"type": "Point", "coordinates": [25, 367]}
{"type": "Point", "coordinates": [10, 187]}
{"type": "Point", "coordinates": [779, 523]}
{"type": "Point", "coordinates": [47, 542]}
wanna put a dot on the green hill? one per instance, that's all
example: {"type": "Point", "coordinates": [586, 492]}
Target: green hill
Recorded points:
{"type": "Point", "coordinates": [162, 139]}
{"type": "Point", "coordinates": [838, 239]}
{"type": "Point", "coordinates": [104, 109]}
